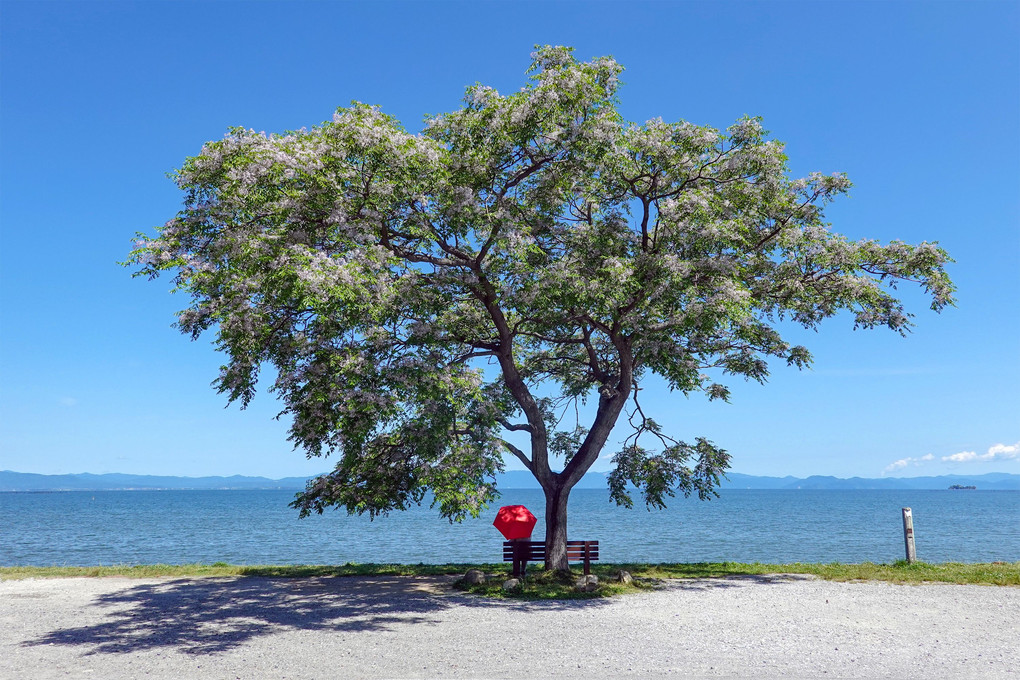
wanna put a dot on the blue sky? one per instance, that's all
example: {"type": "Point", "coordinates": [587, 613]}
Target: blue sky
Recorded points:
{"type": "Point", "coordinates": [918, 102]}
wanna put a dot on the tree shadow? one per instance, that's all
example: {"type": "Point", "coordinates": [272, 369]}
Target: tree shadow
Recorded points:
{"type": "Point", "coordinates": [203, 616]}
{"type": "Point", "coordinates": [208, 616]}
{"type": "Point", "coordinates": [730, 581]}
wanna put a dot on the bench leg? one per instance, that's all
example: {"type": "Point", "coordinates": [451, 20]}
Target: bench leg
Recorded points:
{"type": "Point", "coordinates": [521, 549]}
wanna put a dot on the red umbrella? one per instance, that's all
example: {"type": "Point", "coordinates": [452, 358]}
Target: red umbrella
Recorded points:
{"type": "Point", "coordinates": [514, 521]}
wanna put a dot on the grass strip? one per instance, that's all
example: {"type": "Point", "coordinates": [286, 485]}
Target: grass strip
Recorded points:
{"type": "Point", "coordinates": [222, 569]}
{"type": "Point", "coordinates": [541, 585]}
{"type": "Point", "coordinates": [551, 586]}
{"type": "Point", "coordinates": [960, 573]}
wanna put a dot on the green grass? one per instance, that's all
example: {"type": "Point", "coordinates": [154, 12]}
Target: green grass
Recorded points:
{"type": "Point", "coordinates": [541, 586]}
{"type": "Point", "coordinates": [222, 569]}
{"type": "Point", "coordinates": [550, 586]}
{"type": "Point", "coordinates": [995, 573]}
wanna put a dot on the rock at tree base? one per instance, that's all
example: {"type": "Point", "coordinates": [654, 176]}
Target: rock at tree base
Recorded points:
{"type": "Point", "coordinates": [587, 584]}
{"type": "Point", "coordinates": [474, 577]}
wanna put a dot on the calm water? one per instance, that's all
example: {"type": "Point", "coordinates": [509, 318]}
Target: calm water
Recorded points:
{"type": "Point", "coordinates": [257, 527]}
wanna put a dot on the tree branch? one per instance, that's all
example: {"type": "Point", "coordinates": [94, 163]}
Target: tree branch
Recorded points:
{"type": "Point", "coordinates": [519, 454]}
{"type": "Point", "coordinates": [515, 427]}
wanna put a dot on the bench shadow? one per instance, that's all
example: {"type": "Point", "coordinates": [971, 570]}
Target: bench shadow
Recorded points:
{"type": "Point", "coordinates": [208, 616]}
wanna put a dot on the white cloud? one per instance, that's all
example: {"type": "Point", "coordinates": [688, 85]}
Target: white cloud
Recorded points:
{"type": "Point", "coordinates": [1003, 451]}
{"type": "Point", "coordinates": [68, 401]}
{"type": "Point", "coordinates": [909, 460]}
{"type": "Point", "coordinates": [996, 452]}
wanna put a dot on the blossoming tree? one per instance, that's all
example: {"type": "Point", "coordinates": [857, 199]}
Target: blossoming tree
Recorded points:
{"type": "Point", "coordinates": [431, 301]}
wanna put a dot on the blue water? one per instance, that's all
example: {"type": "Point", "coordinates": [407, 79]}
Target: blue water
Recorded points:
{"type": "Point", "coordinates": [257, 527]}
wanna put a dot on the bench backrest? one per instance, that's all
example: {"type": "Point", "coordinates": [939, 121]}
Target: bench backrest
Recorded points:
{"type": "Point", "coordinates": [535, 551]}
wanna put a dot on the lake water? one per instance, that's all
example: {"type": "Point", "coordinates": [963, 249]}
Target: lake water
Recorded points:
{"type": "Point", "coordinates": [257, 527]}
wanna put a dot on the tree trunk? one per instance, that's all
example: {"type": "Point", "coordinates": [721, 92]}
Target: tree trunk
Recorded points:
{"type": "Point", "coordinates": [556, 526]}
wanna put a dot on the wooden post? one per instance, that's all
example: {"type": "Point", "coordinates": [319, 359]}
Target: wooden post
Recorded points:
{"type": "Point", "coordinates": [908, 535]}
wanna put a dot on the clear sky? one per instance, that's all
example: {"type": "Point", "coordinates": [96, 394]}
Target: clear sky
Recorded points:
{"type": "Point", "coordinates": [918, 102]}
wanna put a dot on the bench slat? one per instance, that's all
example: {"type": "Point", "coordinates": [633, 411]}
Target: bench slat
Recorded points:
{"type": "Point", "coordinates": [542, 543]}
{"type": "Point", "coordinates": [533, 555]}
{"type": "Point", "coordinates": [535, 550]}
{"type": "Point", "coordinates": [578, 549]}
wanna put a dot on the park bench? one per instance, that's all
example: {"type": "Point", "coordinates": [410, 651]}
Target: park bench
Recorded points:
{"type": "Point", "coordinates": [520, 552]}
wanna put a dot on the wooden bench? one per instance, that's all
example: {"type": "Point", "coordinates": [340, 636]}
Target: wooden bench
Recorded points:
{"type": "Point", "coordinates": [520, 552]}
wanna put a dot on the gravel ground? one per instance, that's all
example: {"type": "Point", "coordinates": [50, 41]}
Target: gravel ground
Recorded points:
{"type": "Point", "coordinates": [400, 627]}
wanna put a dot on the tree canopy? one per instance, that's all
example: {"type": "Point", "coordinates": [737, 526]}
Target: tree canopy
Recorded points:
{"type": "Point", "coordinates": [424, 296]}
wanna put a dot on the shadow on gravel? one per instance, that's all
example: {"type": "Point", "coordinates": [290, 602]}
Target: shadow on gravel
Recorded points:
{"type": "Point", "coordinates": [207, 616]}
{"type": "Point", "coordinates": [732, 581]}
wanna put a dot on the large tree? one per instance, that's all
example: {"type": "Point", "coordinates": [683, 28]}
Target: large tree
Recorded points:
{"type": "Point", "coordinates": [431, 301]}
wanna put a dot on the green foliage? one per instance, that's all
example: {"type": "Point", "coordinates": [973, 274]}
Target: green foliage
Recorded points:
{"type": "Point", "coordinates": [421, 297]}
{"type": "Point", "coordinates": [660, 475]}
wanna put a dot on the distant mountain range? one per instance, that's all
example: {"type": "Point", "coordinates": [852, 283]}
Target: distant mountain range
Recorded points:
{"type": "Point", "coordinates": [514, 479]}
{"type": "Point", "coordinates": [23, 481]}
{"type": "Point", "coordinates": [993, 481]}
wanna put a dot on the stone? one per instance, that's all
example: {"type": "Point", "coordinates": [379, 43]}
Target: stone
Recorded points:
{"type": "Point", "coordinates": [474, 577]}
{"type": "Point", "coordinates": [587, 584]}
{"type": "Point", "coordinates": [511, 584]}
{"type": "Point", "coordinates": [624, 577]}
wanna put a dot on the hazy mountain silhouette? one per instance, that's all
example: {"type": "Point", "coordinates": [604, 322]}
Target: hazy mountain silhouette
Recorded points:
{"type": "Point", "coordinates": [512, 479]}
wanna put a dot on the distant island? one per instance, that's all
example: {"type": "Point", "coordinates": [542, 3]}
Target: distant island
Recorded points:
{"type": "Point", "coordinates": [512, 479]}
{"type": "Point", "coordinates": [961, 487]}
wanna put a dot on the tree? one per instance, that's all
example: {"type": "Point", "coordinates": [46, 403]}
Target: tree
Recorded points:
{"type": "Point", "coordinates": [424, 297]}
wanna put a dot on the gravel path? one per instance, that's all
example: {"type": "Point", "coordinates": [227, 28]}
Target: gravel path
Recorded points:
{"type": "Point", "coordinates": [397, 627]}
